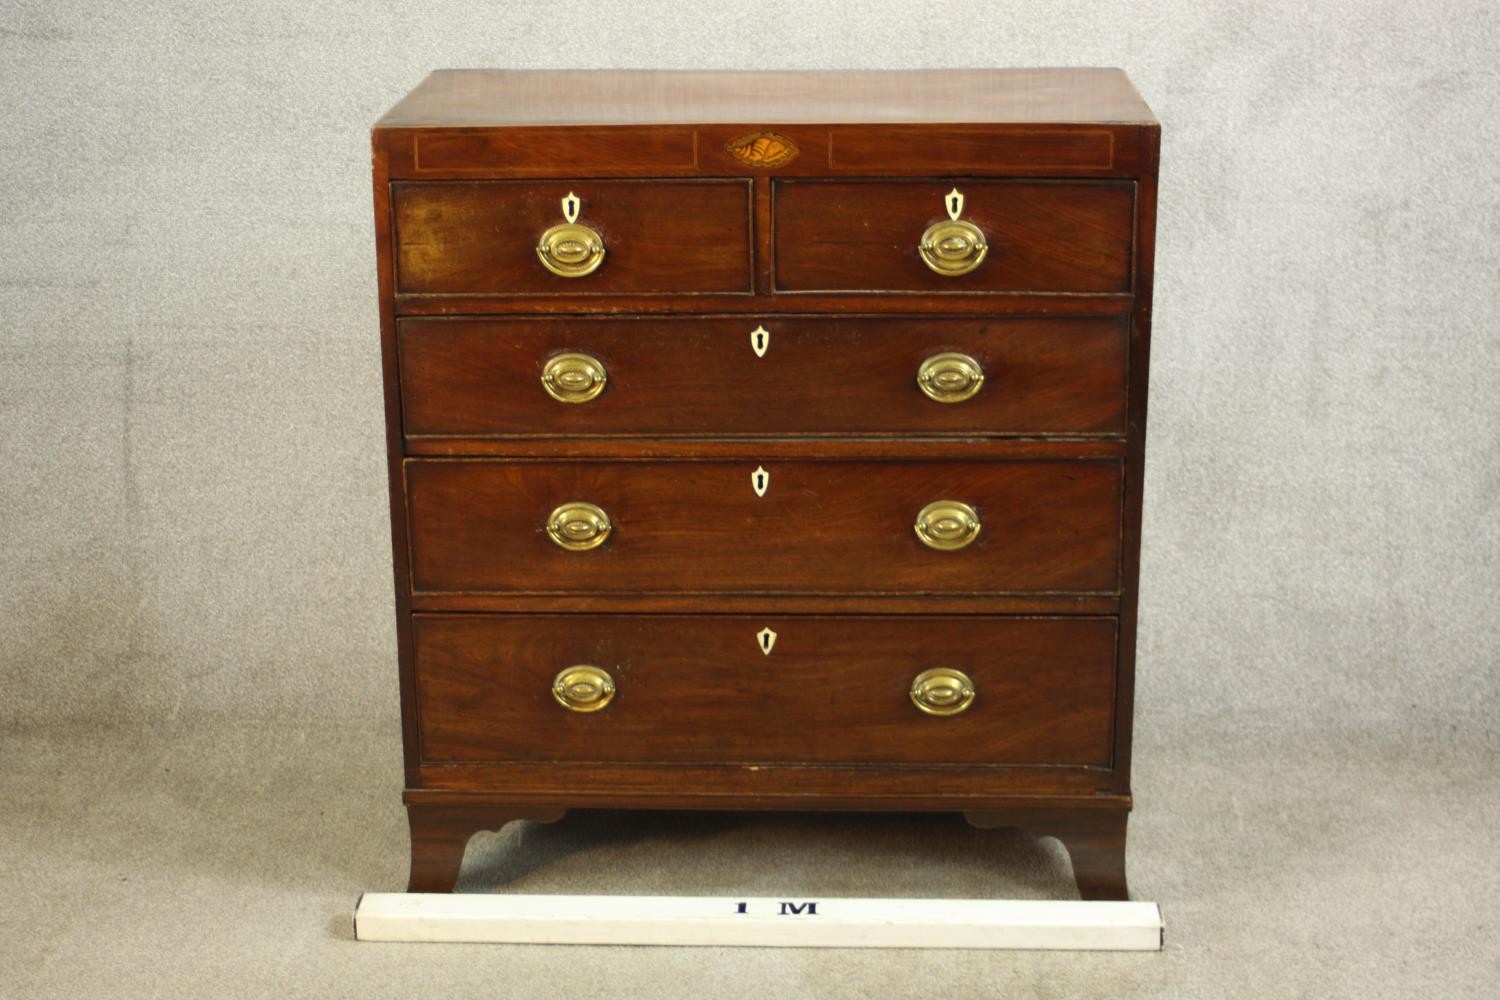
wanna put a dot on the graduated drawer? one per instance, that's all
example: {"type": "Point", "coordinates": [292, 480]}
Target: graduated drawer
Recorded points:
{"type": "Point", "coordinates": [827, 526]}
{"type": "Point", "coordinates": [702, 689]}
{"type": "Point", "coordinates": [658, 236]}
{"type": "Point", "coordinates": [784, 375]}
{"type": "Point", "coordinates": [1040, 236]}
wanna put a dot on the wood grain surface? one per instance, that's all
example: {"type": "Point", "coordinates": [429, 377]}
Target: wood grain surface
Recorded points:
{"type": "Point", "coordinates": [822, 527]}
{"type": "Point", "coordinates": [474, 97]}
{"type": "Point", "coordinates": [863, 235]}
{"type": "Point", "coordinates": [700, 376]}
{"type": "Point", "coordinates": [698, 688]}
{"type": "Point", "coordinates": [659, 236]}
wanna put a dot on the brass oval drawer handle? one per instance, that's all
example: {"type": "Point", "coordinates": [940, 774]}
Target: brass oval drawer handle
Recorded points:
{"type": "Point", "coordinates": [583, 688]}
{"type": "Point", "coordinates": [571, 249]}
{"type": "Point", "coordinates": [953, 246]}
{"type": "Point", "coordinates": [946, 525]}
{"type": "Point", "coordinates": [942, 691]}
{"type": "Point", "coordinates": [574, 378]}
{"type": "Point", "coordinates": [950, 377]}
{"type": "Point", "coordinates": [578, 526]}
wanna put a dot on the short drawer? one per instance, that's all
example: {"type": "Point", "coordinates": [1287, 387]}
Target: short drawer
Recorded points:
{"type": "Point", "coordinates": [659, 236]}
{"type": "Point", "coordinates": [790, 527]}
{"type": "Point", "coordinates": [1038, 236]}
{"type": "Point", "coordinates": [732, 689]}
{"type": "Point", "coordinates": [743, 376]}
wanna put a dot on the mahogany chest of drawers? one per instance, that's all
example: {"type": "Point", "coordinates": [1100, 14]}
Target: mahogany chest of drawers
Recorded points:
{"type": "Point", "coordinates": [767, 440]}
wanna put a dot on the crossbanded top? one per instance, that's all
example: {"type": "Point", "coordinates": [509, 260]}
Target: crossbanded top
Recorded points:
{"type": "Point", "coordinates": [496, 97]}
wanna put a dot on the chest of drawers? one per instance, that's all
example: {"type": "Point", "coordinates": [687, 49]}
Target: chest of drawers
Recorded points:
{"type": "Point", "coordinates": [767, 440]}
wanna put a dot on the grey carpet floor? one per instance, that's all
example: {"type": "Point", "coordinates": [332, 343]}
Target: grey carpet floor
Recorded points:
{"type": "Point", "coordinates": [225, 861]}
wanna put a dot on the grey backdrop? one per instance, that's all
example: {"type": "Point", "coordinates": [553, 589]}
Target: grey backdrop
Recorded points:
{"type": "Point", "coordinates": [200, 761]}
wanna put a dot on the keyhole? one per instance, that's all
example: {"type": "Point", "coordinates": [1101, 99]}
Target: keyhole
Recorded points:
{"type": "Point", "coordinates": [955, 203]}
{"type": "Point", "coordinates": [760, 339]}
{"type": "Point", "coordinates": [760, 481]}
{"type": "Point", "coordinates": [765, 642]}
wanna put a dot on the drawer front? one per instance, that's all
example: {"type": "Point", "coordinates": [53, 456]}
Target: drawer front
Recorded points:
{"type": "Point", "coordinates": [745, 376]}
{"type": "Point", "coordinates": [821, 526]}
{"type": "Point", "coordinates": [659, 236]}
{"type": "Point", "coordinates": [701, 689]}
{"type": "Point", "coordinates": [1041, 236]}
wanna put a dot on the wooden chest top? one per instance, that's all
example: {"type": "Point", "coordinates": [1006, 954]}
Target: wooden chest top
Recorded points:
{"type": "Point", "coordinates": [1065, 122]}
{"type": "Point", "coordinates": [490, 97]}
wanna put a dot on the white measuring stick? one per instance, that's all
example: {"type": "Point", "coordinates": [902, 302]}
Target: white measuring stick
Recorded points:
{"type": "Point", "coordinates": [766, 922]}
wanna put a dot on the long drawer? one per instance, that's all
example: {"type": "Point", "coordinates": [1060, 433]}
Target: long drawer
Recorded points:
{"type": "Point", "coordinates": [788, 527]}
{"type": "Point", "coordinates": [743, 376]}
{"type": "Point", "coordinates": [725, 689]}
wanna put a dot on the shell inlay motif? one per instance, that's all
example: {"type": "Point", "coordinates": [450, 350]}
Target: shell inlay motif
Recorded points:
{"type": "Point", "coordinates": [762, 149]}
